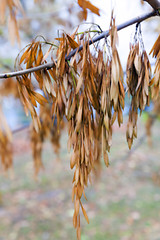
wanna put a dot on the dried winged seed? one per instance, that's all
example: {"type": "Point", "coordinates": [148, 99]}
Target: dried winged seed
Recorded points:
{"type": "Point", "coordinates": [106, 121]}
{"type": "Point", "coordinates": [114, 94]}
{"type": "Point", "coordinates": [52, 72]}
{"type": "Point", "coordinates": [25, 55]}
{"type": "Point", "coordinates": [46, 54]}
{"type": "Point", "coordinates": [81, 178]}
{"type": "Point", "coordinates": [89, 95]}
{"type": "Point", "coordinates": [73, 159]}
{"type": "Point", "coordinates": [104, 139]}
{"type": "Point", "coordinates": [146, 86]}
{"type": "Point", "coordinates": [5, 125]}
{"type": "Point", "coordinates": [75, 220]}
{"type": "Point", "coordinates": [110, 139]}
{"type": "Point", "coordinates": [79, 114]}
{"type": "Point", "coordinates": [85, 176]}
{"type": "Point", "coordinates": [135, 131]}
{"type": "Point", "coordinates": [86, 141]}
{"type": "Point", "coordinates": [156, 78]}
{"type": "Point", "coordinates": [156, 47]}
{"type": "Point", "coordinates": [115, 71]}
{"type": "Point", "coordinates": [72, 43]}
{"type": "Point", "coordinates": [82, 151]}
{"type": "Point", "coordinates": [130, 141]}
{"type": "Point", "coordinates": [103, 101]}
{"type": "Point", "coordinates": [130, 129]}
{"type": "Point", "coordinates": [76, 206]}
{"type": "Point", "coordinates": [140, 80]}
{"type": "Point", "coordinates": [28, 104]}
{"type": "Point", "coordinates": [120, 117]}
{"type": "Point", "coordinates": [32, 98]}
{"type": "Point", "coordinates": [106, 159]}
{"type": "Point", "coordinates": [39, 98]}
{"type": "Point", "coordinates": [63, 94]}
{"type": "Point", "coordinates": [79, 190]}
{"type": "Point", "coordinates": [76, 175]}
{"type": "Point", "coordinates": [46, 86]}
{"type": "Point", "coordinates": [36, 121]}
{"type": "Point", "coordinates": [121, 88]}
{"type": "Point", "coordinates": [40, 56]}
{"type": "Point", "coordinates": [121, 101]}
{"type": "Point", "coordinates": [113, 118]}
{"type": "Point", "coordinates": [138, 63]}
{"type": "Point", "coordinates": [73, 192]}
{"type": "Point", "coordinates": [80, 82]}
{"type": "Point", "coordinates": [59, 100]}
{"type": "Point", "coordinates": [84, 213]}
{"type": "Point", "coordinates": [61, 62]}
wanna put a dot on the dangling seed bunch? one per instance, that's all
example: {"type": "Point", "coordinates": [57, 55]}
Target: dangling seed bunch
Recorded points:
{"type": "Point", "coordinates": [138, 80]}
{"type": "Point", "coordinates": [5, 143]}
{"type": "Point", "coordinates": [155, 89]}
{"type": "Point", "coordinates": [117, 93]}
{"type": "Point", "coordinates": [48, 130]}
{"type": "Point", "coordinates": [112, 91]}
{"type": "Point", "coordinates": [88, 90]}
{"type": "Point", "coordinates": [84, 127]}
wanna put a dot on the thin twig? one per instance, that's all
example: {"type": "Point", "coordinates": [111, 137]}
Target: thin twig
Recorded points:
{"type": "Point", "coordinates": [72, 53]}
{"type": "Point", "coordinates": [20, 128]}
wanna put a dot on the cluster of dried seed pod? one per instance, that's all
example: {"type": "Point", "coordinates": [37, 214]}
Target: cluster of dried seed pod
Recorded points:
{"type": "Point", "coordinates": [5, 143]}
{"type": "Point", "coordinates": [13, 7]}
{"type": "Point", "coordinates": [155, 89]}
{"type": "Point", "coordinates": [5, 152]}
{"type": "Point", "coordinates": [88, 90]}
{"type": "Point", "coordinates": [112, 91]}
{"type": "Point", "coordinates": [7, 87]}
{"type": "Point", "coordinates": [84, 126]}
{"type": "Point", "coordinates": [116, 89]}
{"type": "Point", "coordinates": [48, 130]}
{"type": "Point", "coordinates": [85, 90]}
{"type": "Point", "coordinates": [138, 82]}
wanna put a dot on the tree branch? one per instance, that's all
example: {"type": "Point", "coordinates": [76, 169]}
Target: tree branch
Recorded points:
{"type": "Point", "coordinates": [72, 53]}
{"type": "Point", "coordinates": [155, 4]}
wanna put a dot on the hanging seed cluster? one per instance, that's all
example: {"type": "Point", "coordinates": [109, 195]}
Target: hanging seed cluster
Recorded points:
{"type": "Point", "coordinates": [48, 130]}
{"type": "Point", "coordinates": [138, 81]}
{"type": "Point", "coordinates": [5, 143]}
{"type": "Point", "coordinates": [13, 6]}
{"type": "Point", "coordinates": [5, 152]}
{"type": "Point", "coordinates": [88, 91]}
{"type": "Point", "coordinates": [155, 89]}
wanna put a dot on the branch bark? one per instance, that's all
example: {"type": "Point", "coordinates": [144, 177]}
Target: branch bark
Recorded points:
{"type": "Point", "coordinates": [155, 4]}
{"type": "Point", "coordinates": [72, 53]}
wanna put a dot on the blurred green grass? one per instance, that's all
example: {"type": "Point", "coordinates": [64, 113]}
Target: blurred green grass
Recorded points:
{"type": "Point", "coordinates": [123, 202]}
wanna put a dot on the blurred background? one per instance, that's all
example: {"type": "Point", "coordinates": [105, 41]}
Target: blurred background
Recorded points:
{"type": "Point", "coordinates": [123, 200]}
